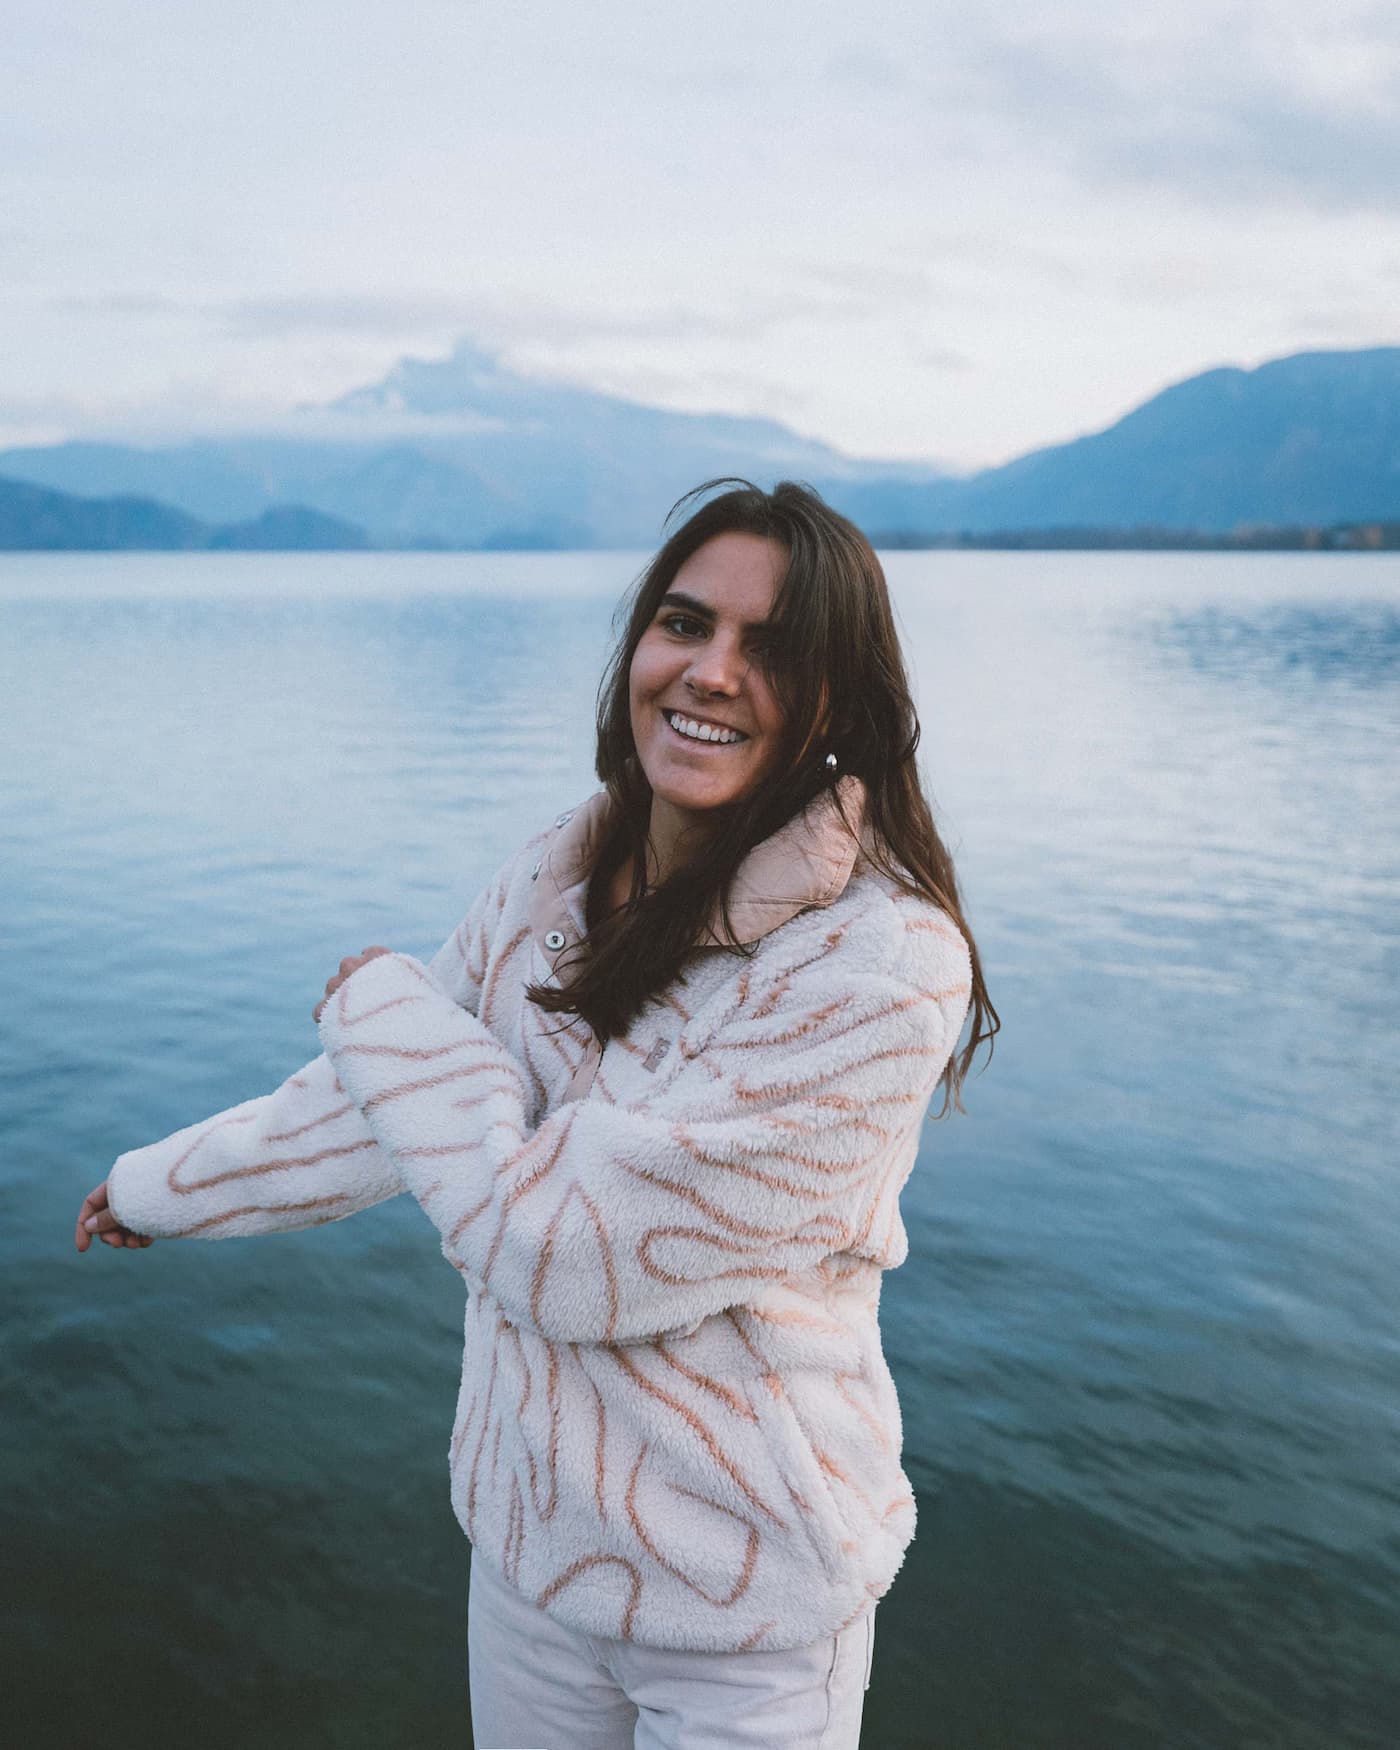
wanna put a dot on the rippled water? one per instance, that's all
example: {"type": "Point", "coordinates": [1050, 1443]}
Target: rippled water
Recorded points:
{"type": "Point", "coordinates": [1148, 1338]}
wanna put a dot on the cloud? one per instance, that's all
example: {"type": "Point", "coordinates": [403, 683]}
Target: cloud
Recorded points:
{"type": "Point", "coordinates": [1356, 325]}
{"type": "Point", "coordinates": [821, 292]}
{"type": "Point", "coordinates": [865, 287]}
{"type": "Point", "coordinates": [1273, 148]}
{"type": "Point", "coordinates": [275, 316]}
{"type": "Point", "coordinates": [717, 391]}
{"type": "Point", "coordinates": [868, 73]}
{"type": "Point", "coordinates": [117, 304]}
{"type": "Point", "coordinates": [357, 313]}
{"type": "Point", "coordinates": [1223, 106]}
{"type": "Point", "coordinates": [42, 419]}
{"type": "Point", "coordinates": [911, 228]}
{"type": "Point", "coordinates": [942, 358]}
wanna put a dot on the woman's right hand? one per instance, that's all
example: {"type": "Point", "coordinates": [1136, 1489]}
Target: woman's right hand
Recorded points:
{"type": "Point", "coordinates": [96, 1218]}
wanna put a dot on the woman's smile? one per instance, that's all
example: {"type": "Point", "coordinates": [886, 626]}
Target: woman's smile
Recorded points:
{"type": "Point", "coordinates": [702, 731]}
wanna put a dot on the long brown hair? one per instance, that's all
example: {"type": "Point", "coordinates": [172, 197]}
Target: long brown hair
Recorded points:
{"type": "Point", "coordinates": [835, 666]}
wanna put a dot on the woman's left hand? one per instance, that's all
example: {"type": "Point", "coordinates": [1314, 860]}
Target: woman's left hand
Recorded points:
{"type": "Point", "coordinates": [346, 968]}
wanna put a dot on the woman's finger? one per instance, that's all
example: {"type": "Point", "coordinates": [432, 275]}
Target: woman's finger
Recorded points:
{"type": "Point", "coordinates": [94, 1201]}
{"type": "Point", "coordinates": [351, 963]}
{"type": "Point", "coordinates": [332, 986]}
{"type": "Point", "coordinates": [122, 1239]}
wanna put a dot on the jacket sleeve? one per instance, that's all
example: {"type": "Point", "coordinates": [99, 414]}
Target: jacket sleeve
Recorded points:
{"type": "Point", "coordinates": [613, 1224]}
{"type": "Point", "coordinates": [293, 1158]}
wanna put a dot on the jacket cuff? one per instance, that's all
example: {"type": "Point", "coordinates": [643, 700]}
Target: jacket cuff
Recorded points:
{"type": "Point", "coordinates": [138, 1187]}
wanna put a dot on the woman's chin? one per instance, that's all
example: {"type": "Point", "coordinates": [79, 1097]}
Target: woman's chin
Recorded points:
{"type": "Point", "coordinates": [691, 799]}
{"type": "Point", "coordinates": [688, 795]}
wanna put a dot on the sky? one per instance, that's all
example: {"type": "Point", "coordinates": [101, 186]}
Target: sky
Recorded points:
{"type": "Point", "coordinates": [936, 232]}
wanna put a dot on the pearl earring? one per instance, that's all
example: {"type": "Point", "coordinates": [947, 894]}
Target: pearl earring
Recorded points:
{"type": "Point", "coordinates": [831, 761]}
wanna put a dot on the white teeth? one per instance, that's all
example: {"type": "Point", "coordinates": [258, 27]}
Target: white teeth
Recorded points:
{"type": "Point", "coordinates": [701, 731]}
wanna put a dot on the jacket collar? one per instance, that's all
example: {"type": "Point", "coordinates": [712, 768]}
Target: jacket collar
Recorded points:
{"type": "Point", "coordinates": [805, 863]}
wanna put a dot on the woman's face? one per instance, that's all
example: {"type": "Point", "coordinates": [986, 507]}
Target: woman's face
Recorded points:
{"type": "Point", "coordinates": [705, 720]}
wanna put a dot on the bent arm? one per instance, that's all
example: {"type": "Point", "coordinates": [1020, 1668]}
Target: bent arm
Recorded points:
{"type": "Point", "coordinates": [612, 1224]}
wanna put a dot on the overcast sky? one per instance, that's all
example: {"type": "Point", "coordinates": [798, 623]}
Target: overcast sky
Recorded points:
{"type": "Point", "coordinates": [935, 231]}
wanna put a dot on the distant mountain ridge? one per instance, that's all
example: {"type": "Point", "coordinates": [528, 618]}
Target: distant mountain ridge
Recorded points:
{"type": "Point", "coordinates": [1309, 439]}
{"type": "Point", "coordinates": [465, 452]}
{"type": "Point", "coordinates": [33, 518]}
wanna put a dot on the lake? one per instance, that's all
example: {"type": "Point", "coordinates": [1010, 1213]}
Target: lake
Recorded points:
{"type": "Point", "coordinates": [1147, 1340]}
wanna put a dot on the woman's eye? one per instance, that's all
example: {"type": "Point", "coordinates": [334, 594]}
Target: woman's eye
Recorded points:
{"type": "Point", "coordinates": [682, 623]}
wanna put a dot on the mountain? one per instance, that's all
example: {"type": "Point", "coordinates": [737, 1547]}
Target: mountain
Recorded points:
{"type": "Point", "coordinates": [290, 528]}
{"type": "Point", "coordinates": [1309, 439]}
{"type": "Point", "coordinates": [465, 452]}
{"type": "Point", "coordinates": [33, 518]}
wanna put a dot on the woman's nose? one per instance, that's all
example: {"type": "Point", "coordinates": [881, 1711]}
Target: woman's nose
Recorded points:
{"type": "Point", "coordinates": [719, 667]}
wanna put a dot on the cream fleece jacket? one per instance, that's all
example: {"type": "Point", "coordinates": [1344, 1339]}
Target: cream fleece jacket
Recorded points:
{"type": "Point", "coordinates": [675, 1422]}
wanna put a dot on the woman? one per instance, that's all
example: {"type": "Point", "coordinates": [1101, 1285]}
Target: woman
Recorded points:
{"type": "Point", "coordinates": [660, 1092]}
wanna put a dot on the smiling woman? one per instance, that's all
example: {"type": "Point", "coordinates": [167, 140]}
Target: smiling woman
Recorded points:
{"type": "Point", "coordinates": [660, 1092]}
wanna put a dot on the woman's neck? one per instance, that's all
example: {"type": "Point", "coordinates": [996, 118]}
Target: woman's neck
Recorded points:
{"type": "Point", "coordinates": [674, 837]}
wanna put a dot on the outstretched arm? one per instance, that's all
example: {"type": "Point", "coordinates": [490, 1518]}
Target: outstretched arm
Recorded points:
{"type": "Point", "coordinates": [294, 1158]}
{"type": "Point", "coordinates": [289, 1159]}
{"type": "Point", "coordinates": [610, 1224]}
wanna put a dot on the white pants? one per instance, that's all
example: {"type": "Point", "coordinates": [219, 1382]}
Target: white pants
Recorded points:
{"type": "Point", "coordinates": [536, 1685]}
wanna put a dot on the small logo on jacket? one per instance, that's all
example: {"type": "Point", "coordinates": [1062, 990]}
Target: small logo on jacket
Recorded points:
{"type": "Point", "coordinates": [657, 1052]}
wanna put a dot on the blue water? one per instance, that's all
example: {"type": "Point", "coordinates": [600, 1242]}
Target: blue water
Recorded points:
{"type": "Point", "coordinates": [1148, 1337]}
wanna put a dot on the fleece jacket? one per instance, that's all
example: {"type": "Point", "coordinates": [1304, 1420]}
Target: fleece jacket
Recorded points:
{"type": "Point", "coordinates": [676, 1424]}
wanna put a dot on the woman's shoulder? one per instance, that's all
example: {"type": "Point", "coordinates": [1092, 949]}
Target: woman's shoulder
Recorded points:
{"type": "Point", "coordinates": [876, 927]}
{"type": "Point", "coordinates": [561, 836]}
{"type": "Point", "coordinates": [515, 875]}
{"type": "Point", "coordinates": [554, 858]}
{"type": "Point", "coordinates": [874, 964]}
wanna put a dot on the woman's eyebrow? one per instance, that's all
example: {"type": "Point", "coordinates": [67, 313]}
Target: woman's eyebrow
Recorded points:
{"type": "Point", "coordinates": [677, 598]}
